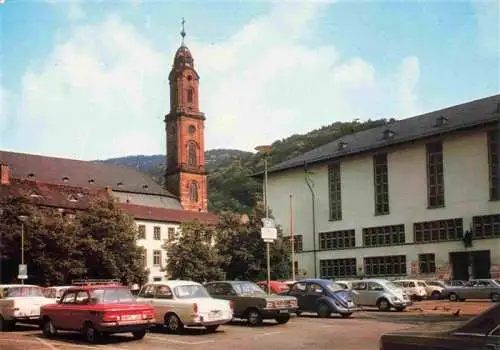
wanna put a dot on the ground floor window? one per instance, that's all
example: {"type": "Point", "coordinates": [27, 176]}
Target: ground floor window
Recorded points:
{"type": "Point", "coordinates": [385, 265]}
{"type": "Point", "coordinates": [334, 268]}
{"type": "Point", "coordinates": [427, 263]}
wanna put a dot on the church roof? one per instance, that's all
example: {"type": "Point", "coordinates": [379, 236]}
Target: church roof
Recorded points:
{"type": "Point", "coordinates": [79, 173]}
{"type": "Point", "coordinates": [477, 113]}
{"type": "Point", "coordinates": [141, 212]}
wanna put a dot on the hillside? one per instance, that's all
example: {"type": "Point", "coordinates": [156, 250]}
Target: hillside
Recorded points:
{"type": "Point", "coordinates": [230, 186]}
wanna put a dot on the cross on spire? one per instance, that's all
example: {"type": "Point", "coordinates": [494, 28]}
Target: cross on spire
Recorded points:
{"type": "Point", "coordinates": [183, 32]}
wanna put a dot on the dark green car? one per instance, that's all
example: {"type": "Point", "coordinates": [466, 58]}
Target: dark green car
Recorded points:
{"type": "Point", "coordinates": [250, 302]}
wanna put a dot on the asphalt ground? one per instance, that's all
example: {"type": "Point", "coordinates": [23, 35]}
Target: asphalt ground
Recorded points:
{"type": "Point", "coordinates": [360, 332]}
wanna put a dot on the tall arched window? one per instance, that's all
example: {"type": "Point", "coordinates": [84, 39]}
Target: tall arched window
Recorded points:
{"type": "Point", "coordinates": [190, 95]}
{"type": "Point", "coordinates": [193, 192]}
{"type": "Point", "coordinates": [192, 154]}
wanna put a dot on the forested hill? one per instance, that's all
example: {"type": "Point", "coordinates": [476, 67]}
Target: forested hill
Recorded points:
{"type": "Point", "coordinates": [230, 186]}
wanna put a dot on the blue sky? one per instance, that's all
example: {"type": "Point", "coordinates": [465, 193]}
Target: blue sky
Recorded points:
{"type": "Point", "coordinates": [89, 79]}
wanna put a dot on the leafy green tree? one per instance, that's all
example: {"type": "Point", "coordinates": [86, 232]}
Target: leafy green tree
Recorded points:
{"type": "Point", "coordinates": [192, 254]}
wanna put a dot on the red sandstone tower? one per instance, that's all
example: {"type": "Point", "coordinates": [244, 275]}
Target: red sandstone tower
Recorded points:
{"type": "Point", "coordinates": [186, 175]}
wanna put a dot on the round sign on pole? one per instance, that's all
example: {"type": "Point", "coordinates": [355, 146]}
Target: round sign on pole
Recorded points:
{"type": "Point", "coordinates": [269, 234]}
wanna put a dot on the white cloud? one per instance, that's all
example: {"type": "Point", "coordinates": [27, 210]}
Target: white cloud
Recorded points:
{"type": "Point", "coordinates": [103, 92]}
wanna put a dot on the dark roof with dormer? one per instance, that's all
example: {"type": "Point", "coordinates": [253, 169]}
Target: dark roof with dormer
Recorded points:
{"type": "Point", "coordinates": [452, 119]}
{"type": "Point", "coordinates": [79, 173]}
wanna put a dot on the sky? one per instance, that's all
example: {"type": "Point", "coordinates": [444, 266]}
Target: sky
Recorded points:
{"type": "Point", "coordinates": [89, 79]}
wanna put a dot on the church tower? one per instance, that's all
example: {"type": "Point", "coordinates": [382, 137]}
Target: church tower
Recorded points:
{"type": "Point", "coordinates": [186, 175]}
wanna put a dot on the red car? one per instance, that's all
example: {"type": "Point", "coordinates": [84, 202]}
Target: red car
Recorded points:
{"type": "Point", "coordinates": [277, 287]}
{"type": "Point", "coordinates": [96, 311]}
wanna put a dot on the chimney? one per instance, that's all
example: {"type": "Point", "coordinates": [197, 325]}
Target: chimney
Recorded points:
{"type": "Point", "coordinates": [4, 174]}
{"type": "Point", "coordinates": [109, 189]}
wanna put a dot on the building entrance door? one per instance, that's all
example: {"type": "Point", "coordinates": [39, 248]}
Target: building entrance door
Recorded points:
{"type": "Point", "coordinates": [470, 265]}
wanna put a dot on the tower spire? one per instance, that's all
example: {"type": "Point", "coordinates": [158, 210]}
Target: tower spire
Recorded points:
{"type": "Point", "coordinates": [183, 32]}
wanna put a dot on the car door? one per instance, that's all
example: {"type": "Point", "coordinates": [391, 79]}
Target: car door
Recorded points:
{"type": "Point", "coordinates": [373, 291]}
{"type": "Point", "coordinates": [361, 297]}
{"type": "Point", "coordinates": [80, 309]}
{"type": "Point", "coordinates": [163, 302]}
{"type": "Point", "coordinates": [146, 295]}
{"type": "Point", "coordinates": [223, 290]}
{"type": "Point", "coordinates": [62, 316]}
{"type": "Point", "coordinates": [298, 290]}
{"type": "Point", "coordinates": [313, 293]}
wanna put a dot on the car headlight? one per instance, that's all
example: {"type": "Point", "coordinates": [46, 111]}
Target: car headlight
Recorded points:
{"type": "Point", "coordinates": [394, 298]}
{"type": "Point", "coordinates": [270, 305]}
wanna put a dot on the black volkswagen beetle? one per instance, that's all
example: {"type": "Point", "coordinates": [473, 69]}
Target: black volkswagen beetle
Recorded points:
{"type": "Point", "coordinates": [480, 333]}
{"type": "Point", "coordinates": [323, 297]}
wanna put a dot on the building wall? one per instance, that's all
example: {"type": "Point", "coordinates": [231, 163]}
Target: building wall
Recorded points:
{"type": "Point", "coordinates": [150, 244]}
{"type": "Point", "coordinates": [466, 186]}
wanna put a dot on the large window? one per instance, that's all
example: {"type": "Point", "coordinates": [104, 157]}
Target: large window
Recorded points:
{"type": "Point", "coordinates": [427, 263]}
{"type": "Point", "coordinates": [381, 184]}
{"type": "Point", "coordinates": [171, 233]}
{"type": "Point", "coordinates": [385, 265]}
{"type": "Point", "coordinates": [435, 175]}
{"type": "Point", "coordinates": [333, 268]}
{"type": "Point", "coordinates": [297, 244]}
{"type": "Point", "coordinates": [141, 232]}
{"type": "Point", "coordinates": [334, 185]}
{"type": "Point", "coordinates": [157, 257]}
{"type": "Point", "coordinates": [486, 226]}
{"type": "Point", "coordinates": [438, 231]}
{"type": "Point", "coordinates": [193, 192]}
{"type": "Point", "coordinates": [384, 235]}
{"type": "Point", "coordinates": [337, 239]}
{"type": "Point", "coordinates": [192, 154]}
{"type": "Point", "coordinates": [494, 163]}
{"type": "Point", "coordinates": [157, 233]}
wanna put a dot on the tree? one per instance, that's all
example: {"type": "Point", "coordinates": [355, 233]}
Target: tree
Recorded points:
{"type": "Point", "coordinates": [192, 255]}
{"type": "Point", "coordinates": [239, 241]}
{"type": "Point", "coordinates": [98, 243]}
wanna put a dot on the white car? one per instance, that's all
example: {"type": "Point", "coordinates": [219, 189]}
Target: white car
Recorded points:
{"type": "Point", "coordinates": [20, 303]}
{"type": "Point", "coordinates": [54, 293]}
{"type": "Point", "coordinates": [416, 289]}
{"type": "Point", "coordinates": [185, 303]}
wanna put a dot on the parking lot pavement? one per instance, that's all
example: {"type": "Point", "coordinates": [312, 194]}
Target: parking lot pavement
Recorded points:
{"type": "Point", "coordinates": [361, 332]}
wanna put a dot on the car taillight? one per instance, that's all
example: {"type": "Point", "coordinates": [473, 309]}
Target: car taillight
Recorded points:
{"type": "Point", "coordinates": [109, 317]}
{"type": "Point", "coordinates": [147, 315]}
{"type": "Point", "coordinates": [195, 308]}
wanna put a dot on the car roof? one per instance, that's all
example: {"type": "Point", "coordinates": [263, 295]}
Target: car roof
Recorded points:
{"type": "Point", "coordinates": [230, 282]}
{"type": "Point", "coordinates": [96, 286]}
{"type": "Point", "coordinates": [173, 283]}
{"type": "Point", "coordinates": [17, 285]}
{"type": "Point", "coordinates": [315, 280]}
{"type": "Point", "coordinates": [61, 287]}
{"type": "Point", "coordinates": [378, 280]}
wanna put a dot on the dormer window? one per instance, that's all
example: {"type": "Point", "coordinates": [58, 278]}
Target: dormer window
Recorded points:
{"type": "Point", "coordinates": [342, 145]}
{"type": "Point", "coordinates": [145, 187]}
{"type": "Point", "coordinates": [73, 198]}
{"type": "Point", "coordinates": [34, 194]}
{"type": "Point", "coordinates": [388, 134]}
{"type": "Point", "coordinates": [91, 181]}
{"type": "Point", "coordinates": [31, 175]}
{"type": "Point", "coordinates": [441, 120]}
{"type": "Point", "coordinates": [119, 184]}
{"type": "Point", "coordinates": [65, 179]}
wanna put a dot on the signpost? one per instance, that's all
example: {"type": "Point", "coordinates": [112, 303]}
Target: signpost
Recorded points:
{"type": "Point", "coordinates": [23, 272]}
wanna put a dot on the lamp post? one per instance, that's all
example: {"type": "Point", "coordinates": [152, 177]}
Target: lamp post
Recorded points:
{"type": "Point", "coordinates": [267, 230]}
{"type": "Point", "coordinates": [292, 237]}
{"type": "Point", "coordinates": [23, 219]}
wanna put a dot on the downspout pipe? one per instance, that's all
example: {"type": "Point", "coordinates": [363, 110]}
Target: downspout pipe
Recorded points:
{"type": "Point", "coordinates": [310, 184]}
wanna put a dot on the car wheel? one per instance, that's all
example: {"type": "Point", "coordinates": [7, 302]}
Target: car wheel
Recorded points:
{"type": "Point", "coordinates": [282, 319]}
{"type": "Point", "coordinates": [323, 310]}
{"type": "Point", "coordinates": [254, 317]}
{"type": "Point", "coordinates": [453, 297]}
{"type": "Point", "coordinates": [347, 315]}
{"type": "Point", "coordinates": [435, 295]}
{"type": "Point", "coordinates": [139, 334]}
{"type": "Point", "coordinates": [212, 329]}
{"type": "Point", "coordinates": [48, 328]}
{"type": "Point", "coordinates": [6, 325]}
{"type": "Point", "coordinates": [90, 333]}
{"type": "Point", "coordinates": [495, 297]}
{"type": "Point", "coordinates": [383, 305]}
{"type": "Point", "coordinates": [173, 323]}
{"type": "Point", "coordinates": [298, 313]}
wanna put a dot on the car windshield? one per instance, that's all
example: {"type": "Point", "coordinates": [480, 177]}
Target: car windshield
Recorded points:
{"type": "Point", "coordinates": [333, 287]}
{"type": "Point", "coordinates": [50, 293]}
{"type": "Point", "coordinates": [421, 284]}
{"type": "Point", "coordinates": [247, 288]}
{"type": "Point", "coordinates": [435, 283]}
{"type": "Point", "coordinates": [191, 291]}
{"type": "Point", "coordinates": [22, 292]}
{"type": "Point", "coordinates": [111, 296]}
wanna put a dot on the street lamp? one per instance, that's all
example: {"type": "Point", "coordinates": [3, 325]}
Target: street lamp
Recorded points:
{"type": "Point", "coordinates": [268, 230]}
{"type": "Point", "coordinates": [23, 219]}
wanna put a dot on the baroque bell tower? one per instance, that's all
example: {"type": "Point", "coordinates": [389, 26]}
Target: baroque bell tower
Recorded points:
{"type": "Point", "coordinates": [186, 175]}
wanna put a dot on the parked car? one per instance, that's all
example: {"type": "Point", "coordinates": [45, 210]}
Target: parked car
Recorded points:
{"type": "Point", "coordinates": [20, 303]}
{"type": "Point", "coordinates": [480, 333]}
{"type": "Point", "coordinates": [323, 297]}
{"type": "Point", "coordinates": [475, 289]}
{"type": "Point", "coordinates": [185, 303]}
{"type": "Point", "coordinates": [454, 283]}
{"type": "Point", "coordinates": [97, 310]}
{"type": "Point", "coordinates": [250, 302]}
{"type": "Point", "coordinates": [380, 293]}
{"type": "Point", "coordinates": [344, 284]}
{"type": "Point", "coordinates": [416, 289]}
{"type": "Point", "coordinates": [55, 293]}
{"type": "Point", "coordinates": [277, 287]}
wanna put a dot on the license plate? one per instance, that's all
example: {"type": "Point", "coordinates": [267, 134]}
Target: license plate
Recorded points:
{"type": "Point", "coordinates": [283, 311]}
{"type": "Point", "coordinates": [130, 317]}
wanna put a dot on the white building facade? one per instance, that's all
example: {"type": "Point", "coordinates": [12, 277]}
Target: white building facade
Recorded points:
{"type": "Point", "coordinates": [419, 197]}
